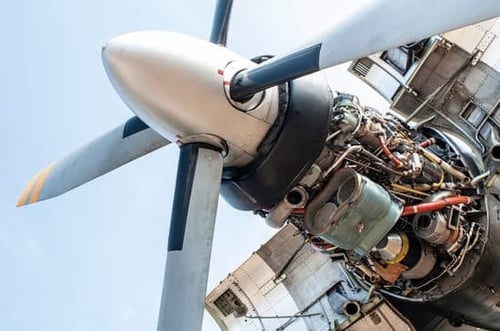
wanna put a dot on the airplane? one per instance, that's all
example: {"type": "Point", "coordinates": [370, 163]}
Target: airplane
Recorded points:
{"type": "Point", "coordinates": [239, 143]}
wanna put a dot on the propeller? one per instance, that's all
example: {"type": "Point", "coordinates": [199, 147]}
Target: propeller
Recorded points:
{"type": "Point", "coordinates": [220, 24]}
{"type": "Point", "coordinates": [207, 99]}
{"type": "Point", "coordinates": [190, 239]}
{"type": "Point", "coordinates": [119, 146]}
{"type": "Point", "coordinates": [193, 221]}
{"type": "Point", "coordinates": [374, 26]}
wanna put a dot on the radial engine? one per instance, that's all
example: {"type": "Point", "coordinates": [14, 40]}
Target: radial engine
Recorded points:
{"type": "Point", "coordinates": [407, 209]}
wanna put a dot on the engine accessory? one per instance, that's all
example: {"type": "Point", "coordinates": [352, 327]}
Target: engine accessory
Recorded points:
{"type": "Point", "coordinates": [433, 228]}
{"type": "Point", "coordinates": [352, 212]}
{"type": "Point", "coordinates": [296, 198]}
{"type": "Point", "coordinates": [393, 248]}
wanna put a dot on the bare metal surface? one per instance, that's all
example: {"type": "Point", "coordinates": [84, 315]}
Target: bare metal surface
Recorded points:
{"type": "Point", "coordinates": [186, 270]}
{"type": "Point", "coordinates": [175, 84]}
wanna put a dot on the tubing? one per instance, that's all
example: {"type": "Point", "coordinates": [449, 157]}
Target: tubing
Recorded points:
{"type": "Point", "coordinates": [403, 188]}
{"type": "Point", "coordinates": [445, 166]}
{"type": "Point", "coordinates": [427, 207]}
{"type": "Point", "coordinates": [322, 246]}
{"type": "Point", "coordinates": [428, 142]}
{"type": "Point", "coordinates": [293, 202]}
{"type": "Point", "coordinates": [351, 149]}
{"type": "Point", "coordinates": [388, 153]}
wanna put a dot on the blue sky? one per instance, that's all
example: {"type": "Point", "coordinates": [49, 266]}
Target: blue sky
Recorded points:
{"type": "Point", "coordinates": [93, 258]}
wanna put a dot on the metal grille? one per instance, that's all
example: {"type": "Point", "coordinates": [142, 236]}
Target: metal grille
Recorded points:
{"type": "Point", "coordinates": [362, 67]}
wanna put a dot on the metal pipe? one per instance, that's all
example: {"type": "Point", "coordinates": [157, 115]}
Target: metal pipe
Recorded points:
{"type": "Point", "coordinates": [388, 153]}
{"type": "Point", "coordinates": [427, 207]}
{"type": "Point", "coordinates": [407, 189]}
{"type": "Point", "coordinates": [351, 308]}
{"type": "Point", "coordinates": [445, 166]}
{"type": "Point", "coordinates": [382, 164]}
{"type": "Point", "coordinates": [333, 135]}
{"type": "Point", "coordinates": [479, 178]}
{"type": "Point", "coordinates": [294, 201]}
{"type": "Point", "coordinates": [351, 149]}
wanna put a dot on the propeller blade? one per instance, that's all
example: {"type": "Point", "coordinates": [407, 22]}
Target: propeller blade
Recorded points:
{"type": "Point", "coordinates": [220, 24]}
{"type": "Point", "coordinates": [121, 145]}
{"type": "Point", "coordinates": [375, 26]}
{"type": "Point", "coordinates": [190, 239]}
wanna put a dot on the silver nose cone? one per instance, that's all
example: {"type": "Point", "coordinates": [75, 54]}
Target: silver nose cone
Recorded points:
{"type": "Point", "coordinates": [110, 54]}
{"type": "Point", "coordinates": [175, 84]}
{"type": "Point", "coordinates": [169, 80]}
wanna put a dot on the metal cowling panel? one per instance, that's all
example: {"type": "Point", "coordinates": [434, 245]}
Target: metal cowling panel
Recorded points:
{"type": "Point", "coordinates": [300, 142]}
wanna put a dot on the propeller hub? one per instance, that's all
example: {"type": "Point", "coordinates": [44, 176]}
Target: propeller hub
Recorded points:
{"type": "Point", "coordinates": [176, 84]}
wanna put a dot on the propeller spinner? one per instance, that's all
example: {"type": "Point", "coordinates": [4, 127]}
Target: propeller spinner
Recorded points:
{"type": "Point", "coordinates": [219, 107]}
{"type": "Point", "coordinates": [176, 84]}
